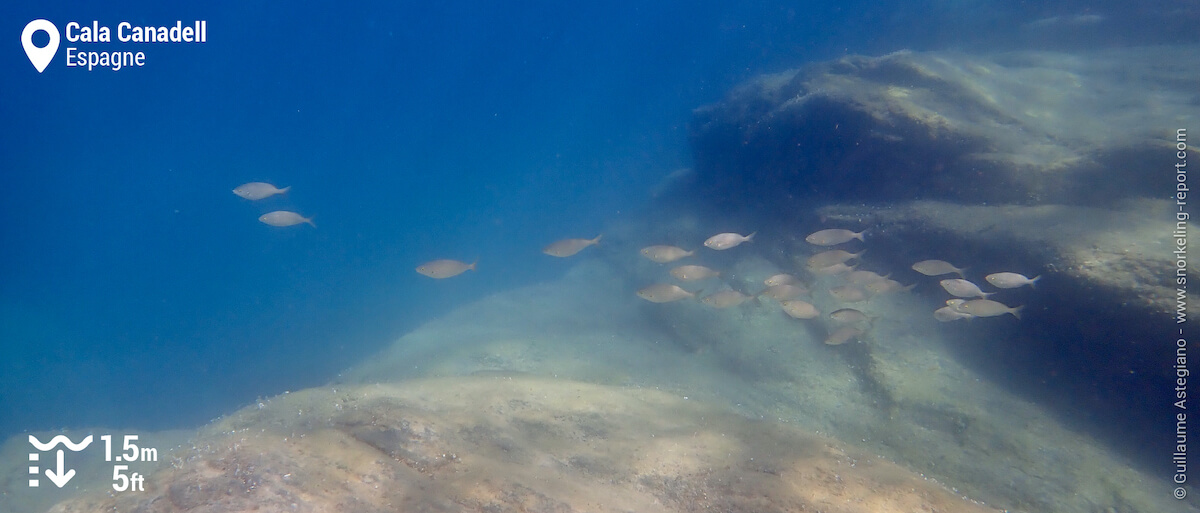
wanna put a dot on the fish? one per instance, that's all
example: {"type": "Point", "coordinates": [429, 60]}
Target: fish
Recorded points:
{"type": "Point", "coordinates": [664, 293]}
{"type": "Point", "coordinates": [864, 277]}
{"type": "Point", "coordinates": [832, 270]}
{"type": "Point", "coordinates": [285, 218]}
{"type": "Point", "coordinates": [988, 308]}
{"type": "Point", "coordinates": [567, 247]}
{"type": "Point", "coordinates": [843, 335]}
{"type": "Point", "coordinates": [665, 254]}
{"type": "Point", "coordinates": [963, 288]}
{"type": "Point", "coordinates": [722, 241]}
{"type": "Point", "coordinates": [725, 299]}
{"type": "Point", "coordinates": [258, 190]}
{"type": "Point", "coordinates": [780, 279]}
{"type": "Point", "coordinates": [1010, 280]}
{"type": "Point", "coordinates": [848, 294]}
{"type": "Point", "coordinates": [693, 273]}
{"type": "Point", "coordinates": [950, 313]}
{"type": "Point", "coordinates": [832, 257]}
{"type": "Point", "coordinates": [784, 291]}
{"type": "Point", "coordinates": [936, 268]}
{"type": "Point", "coordinates": [848, 316]}
{"type": "Point", "coordinates": [887, 285]}
{"type": "Point", "coordinates": [833, 237]}
{"type": "Point", "coordinates": [439, 269]}
{"type": "Point", "coordinates": [798, 309]}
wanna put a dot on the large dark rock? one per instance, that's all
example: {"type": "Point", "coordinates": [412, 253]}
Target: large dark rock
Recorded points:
{"type": "Point", "coordinates": [1052, 164]}
{"type": "Point", "coordinates": [1026, 128]}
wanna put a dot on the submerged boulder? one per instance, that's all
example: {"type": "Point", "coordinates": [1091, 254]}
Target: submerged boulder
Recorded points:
{"type": "Point", "coordinates": [1028, 127]}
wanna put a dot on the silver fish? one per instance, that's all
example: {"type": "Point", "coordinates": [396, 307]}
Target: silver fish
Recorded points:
{"type": "Point", "coordinates": [833, 236]}
{"type": "Point", "coordinates": [864, 277]}
{"type": "Point", "coordinates": [567, 247]}
{"type": "Point", "coordinates": [832, 270]}
{"type": "Point", "coordinates": [285, 218]}
{"type": "Point", "coordinates": [258, 190]}
{"type": "Point", "coordinates": [950, 313]}
{"type": "Point", "coordinates": [843, 335]}
{"type": "Point", "coordinates": [832, 257]}
{"type": "Point", "coordinates": [988, 308]}
{"type": "Point", "coordinates": [848, 316]}
{"type": "Point", "coordinates": [727, 240]}
{"type": "Point", "coordinates": [797, 309]}
{"type": "Point", "coordinates": [440, 269]}
{"type": "Point", "coordinates": [665, 254]}
{"type": "Point", "coordinates": [887, 285]}
{"type": "Point", "coordinates": [725, 299]}
{"type": "Point", "coordinates": [780, 279]}
{"type": "Point", "coordinates": [848, 294]}
{"type": "Point", "coordinates": [784, 291]}
{"type": "Point", "coordinates": [664, 293]}
{"type": "Point", "coordinates": [963, 288]}
{"type": "Point", "coordinates": [1010, 280]}
{"type": "Point", "coordinates": [936, 268]}
{"type": "Point", "coordinates": [693, 273]}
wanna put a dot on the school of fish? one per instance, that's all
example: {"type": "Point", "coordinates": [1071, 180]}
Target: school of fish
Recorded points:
{"type": "Point", "coordinates": [792, 294]}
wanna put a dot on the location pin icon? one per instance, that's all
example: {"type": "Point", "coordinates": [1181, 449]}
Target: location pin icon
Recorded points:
{"type": "Point", "coordinates": [40, 57]}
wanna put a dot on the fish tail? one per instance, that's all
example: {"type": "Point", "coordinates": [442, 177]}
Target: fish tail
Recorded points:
{"type": "Point", "coordinates": [310, 221]}
{"type": "Point", "coordinates": [860, 235]}
{"type": "Point", "coordinates": [1033, 281]}
{"type": "Point", "coordinates": [750, 238]}
{"type": "Point", "coordinates": [597, 239]}
{"type": "Point", "coordinates": [285, 189]}
{"type": "Point", "coordinates": [1016, 311]}
{"type": "Point", "coordinates": [472, 266]}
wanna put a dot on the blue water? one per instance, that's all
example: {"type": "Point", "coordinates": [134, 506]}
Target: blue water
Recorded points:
{"type": "Point", "coordinates": [136, 290]}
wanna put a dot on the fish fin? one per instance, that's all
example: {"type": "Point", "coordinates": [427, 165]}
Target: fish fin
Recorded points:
{"type": "Point", "coordinates": [597, 239]}
{"type": "Point", "coordinates": [750, 238]}
{"type": "Point", "coordinates": [906, 288]}
{"type": "Point", "coordinates": [861, 234]}
{"type": "Point", "coordinates": [1034, 280]}
{"type": "Point", "coordinates": [1016, 311]}
{"type": "Point", "coordinates": [310, 221]}
{"type": "Point", "coordinates": [472, 266]}
{"type": "Point", "coordinates": [285, 189]}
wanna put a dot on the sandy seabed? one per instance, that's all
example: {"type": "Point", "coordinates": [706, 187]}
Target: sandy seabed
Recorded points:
{"type": "Point", "coordinates": [574, 395]}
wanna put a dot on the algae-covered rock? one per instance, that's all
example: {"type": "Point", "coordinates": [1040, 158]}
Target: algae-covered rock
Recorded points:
{"type": "Point", "coordinates": [1025, 127]}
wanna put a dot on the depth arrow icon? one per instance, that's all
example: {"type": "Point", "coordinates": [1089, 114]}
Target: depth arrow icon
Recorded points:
{"type": "Point", "coordinates": [60, 479]}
